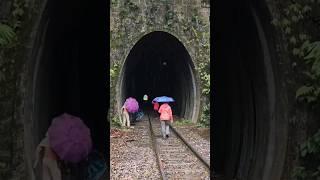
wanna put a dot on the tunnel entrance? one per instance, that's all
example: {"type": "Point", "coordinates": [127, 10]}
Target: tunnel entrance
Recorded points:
{"type": "Point", "coordinates": [159, 65]}
{"type": "Point", "coordinates": [66, 72]}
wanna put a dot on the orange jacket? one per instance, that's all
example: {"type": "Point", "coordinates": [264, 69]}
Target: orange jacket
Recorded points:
{"type": "Point", "coordinates": [165, 112]}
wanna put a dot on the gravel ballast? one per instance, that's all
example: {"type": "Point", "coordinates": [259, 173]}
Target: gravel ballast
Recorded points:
{"type": "Point", "coordinates": [131, 153]}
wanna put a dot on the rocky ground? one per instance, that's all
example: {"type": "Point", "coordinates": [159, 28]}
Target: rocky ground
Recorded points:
{"type": "Point", "coordinates": [132, 155]}
{"type": "Point", "coordinates": [198, 138]}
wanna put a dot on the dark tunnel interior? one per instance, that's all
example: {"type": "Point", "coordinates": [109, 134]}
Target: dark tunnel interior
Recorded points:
{"type": "Point", "coordinates": [159, 65]}
{"type": "Point", "coordinates": [71, 72]}
{"type": "Point", "coordinates": [248, 137]}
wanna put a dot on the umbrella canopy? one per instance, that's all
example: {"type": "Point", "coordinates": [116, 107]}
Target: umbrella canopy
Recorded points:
{"type": "Point", "coordinates": [132, 105]}
{"type": "Point", "coordinates": [163, 99]}
{"type": "Point", "coordinates": [70, 138]}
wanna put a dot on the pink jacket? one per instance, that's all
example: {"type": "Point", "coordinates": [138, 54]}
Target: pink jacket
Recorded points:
{"type": "Point", "coordinates": [165, 112]}
{"type": "Point", "coordinates": [156, 106]}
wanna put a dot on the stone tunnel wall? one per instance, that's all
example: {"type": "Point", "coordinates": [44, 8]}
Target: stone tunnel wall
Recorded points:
{"type": "Point", "coordinates": [13, 63]}
{"type": "Point", "coordinates": [21, 15]}
{"type": "Point", "coordinates": [130, 20]}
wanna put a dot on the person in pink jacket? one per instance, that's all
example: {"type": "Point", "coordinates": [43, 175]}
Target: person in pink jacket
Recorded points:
{"type": "Point", "coordinates": [155, 106]}
{"type": "Point", "coordinates": [165, 118]}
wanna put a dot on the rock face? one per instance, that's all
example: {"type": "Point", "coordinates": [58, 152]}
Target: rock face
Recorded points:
{"type": "Point", "coordinates": [188, 22]}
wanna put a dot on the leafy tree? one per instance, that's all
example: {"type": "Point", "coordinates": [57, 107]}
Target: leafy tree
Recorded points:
{"type": "Point", "coordinates": [299, 20]}
{"type": "Point", "coordinates": [7, 35]}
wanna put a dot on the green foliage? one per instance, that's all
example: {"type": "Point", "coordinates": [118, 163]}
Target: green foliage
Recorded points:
{"type": "Point", "coordinates": [311, 92]}
{"type": "Point", "coordinates": [299, 22]}
{"type": "Point", "coordinates": [202, 37]}
{"type": "Point", "coordinates": [310, 155]}
{"type": "Point", "coordinates": [114, 73]}
{"type": "Point", "coordinates": [115, 121]}
{"type": "Point", "coordinates": [296, 20]}
{"type": "Point", "coordinates": [311, 146]}
{"type": "Point", "coordinates": [200, 34]}
{"type": "Point", "coordinates": [182, 122]}
{"type": "Point", "coordinates": [9, 30]}
{"type": "Point", "coordinates": [7, 35]}
{"type": "Point", "coordinates": [307, 93]}
{"type": "Point", "coordinates": [313, 56]}
{"type": "Point", "coordinates": [205, 116]}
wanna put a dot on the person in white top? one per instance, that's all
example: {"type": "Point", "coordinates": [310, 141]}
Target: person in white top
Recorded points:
{"type": "Point", "coordinates": [125, 120]}
{"type": "Point", "coordinates": [50, 168]}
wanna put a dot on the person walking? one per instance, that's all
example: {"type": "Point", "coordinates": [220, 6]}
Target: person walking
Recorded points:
{"type": "Point", "coordinates": [155, 106]}
{"type": "Point", "coordinates": [132, 106]}
{"type": "Point", "coordinates": [165, 119]}
{"type": "Point", "coordinates": [125, 117]}
{"type": "Point", "coordinates": [145, 100]}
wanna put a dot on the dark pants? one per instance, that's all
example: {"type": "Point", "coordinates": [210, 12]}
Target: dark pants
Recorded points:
{"type": "Point", "coordinates": [164, 128]}
{"type": "Point", "coordinates": [145, 104]}
{"type": "Point", "coordinates": [132, 117]}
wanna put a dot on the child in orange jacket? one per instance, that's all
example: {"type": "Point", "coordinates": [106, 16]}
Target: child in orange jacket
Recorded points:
{"type": "Point", "coordinates": [165, 118]}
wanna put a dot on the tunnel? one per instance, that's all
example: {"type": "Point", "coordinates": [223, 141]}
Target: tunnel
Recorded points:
{"type": "Point", "coordinates": [160, 65]}
{"type": "Point", "coordinates": [249, 121]}
{"type": "Point", "coordinates": [67, 73]}
{"type": "Point", "coordinates": [67, 69]}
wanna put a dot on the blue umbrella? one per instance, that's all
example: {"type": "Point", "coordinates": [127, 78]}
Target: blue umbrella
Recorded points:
{"type": "Point", "coordinates": [163, 99]}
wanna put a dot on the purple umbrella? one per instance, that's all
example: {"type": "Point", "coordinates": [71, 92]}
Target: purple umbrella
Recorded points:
{"type": "Point", "coordinates": [132, 105]}
{"type": "Point", "coordinates": [70, 138]}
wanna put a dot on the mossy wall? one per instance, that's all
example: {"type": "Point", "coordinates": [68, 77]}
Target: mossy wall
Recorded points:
{"type": "Point", "coordinates": [188, 21]}
{"type": "Point", "coordinates": [20, 15]}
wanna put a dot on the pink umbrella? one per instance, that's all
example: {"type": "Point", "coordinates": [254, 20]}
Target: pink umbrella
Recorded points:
{"type": "Point", "coordinates": [70, 138]}
{"type": "Point", "coordinates": [132, 105]}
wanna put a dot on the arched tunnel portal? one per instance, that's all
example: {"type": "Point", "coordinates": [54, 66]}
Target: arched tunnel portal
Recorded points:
{"type": "Point", "coordinates": [160, 65]}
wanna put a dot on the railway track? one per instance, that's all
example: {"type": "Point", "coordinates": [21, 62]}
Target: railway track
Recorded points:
{"type": "Point", "coordinates": [176, 158]}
